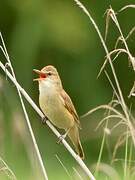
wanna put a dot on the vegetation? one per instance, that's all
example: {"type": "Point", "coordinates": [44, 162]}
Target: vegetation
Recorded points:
{"type": "Point", "coordinates": [59, 33]}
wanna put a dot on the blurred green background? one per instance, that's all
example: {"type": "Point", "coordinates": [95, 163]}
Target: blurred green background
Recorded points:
{"type": "Point", "coordinates": [42, 32]}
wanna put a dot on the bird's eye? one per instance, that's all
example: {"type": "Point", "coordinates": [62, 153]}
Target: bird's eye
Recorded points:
{"type": "Point", "coordinates": [49, 73]}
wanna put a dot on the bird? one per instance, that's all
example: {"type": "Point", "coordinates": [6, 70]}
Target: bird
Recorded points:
{"type": "Point", "coordinates": [57, 105]}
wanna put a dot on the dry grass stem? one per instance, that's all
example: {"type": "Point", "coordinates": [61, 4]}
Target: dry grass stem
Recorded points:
{"type": "Point", "coordinates": [132, 91]}
{"type": "Point", "coordinates": [126, 38]}
{"type": "Point", "coordinates": [102, 107]}
{"type": "Point", "coordinates": [77, 174]}
{"type": "Point", "coordinates": [126, 7]}
{"type": "Point", "coordinates": [24, 110]}
{"type": "Point", "coordinates": [130, 33]}
{"type": "Point", "coordinates": [118, 124]}
{"type": "Point", "coordinates": [114, 18]}
{"type": "Point", "coordinates": [107, 118]}
{"type": "Point", "coordinates": [63, 166]}
{"type": "Point", "coordinates": [113, 87]}
{"type": "Point", "coordinates": [127, 118]}
{"type": "Point", "coordinates": [122, 116]}
{"type": "Point", "coordinates": [35, 107]}
{"type": "Point", "coordinates": [118, 51]}
{"type": "Point", "coordinates": [109, 171]}
{"type": "Point", "coordinates": [5, 168]}
{"type": "Point", "coordinates": [120, 141]}
{"type": "Point", "coordinates": [123, 104]}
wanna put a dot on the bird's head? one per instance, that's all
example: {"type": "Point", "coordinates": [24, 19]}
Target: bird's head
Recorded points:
{"type": "Point", "coordinates": [48, 74]}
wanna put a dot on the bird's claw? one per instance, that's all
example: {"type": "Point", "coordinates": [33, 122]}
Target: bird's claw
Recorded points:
{"type": "Point", "coordinates": [44, 119]}
{"type": "Point", "coordinates": [60, 138]}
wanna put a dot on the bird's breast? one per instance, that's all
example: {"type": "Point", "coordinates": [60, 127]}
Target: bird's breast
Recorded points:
{"type": "Point", "coordinates": [53, 107]}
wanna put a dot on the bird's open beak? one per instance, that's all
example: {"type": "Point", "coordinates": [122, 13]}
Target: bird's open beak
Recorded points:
{"type": "Point", "coordinates": [41, 74]}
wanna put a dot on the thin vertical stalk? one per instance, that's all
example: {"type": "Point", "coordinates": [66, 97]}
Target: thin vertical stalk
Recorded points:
{"type": "Point", "coordinates": [123, 104]}
{"type": "Point", "coordinates": [35, 107]}
{"type": "Point", "coordinates": [4, 50]}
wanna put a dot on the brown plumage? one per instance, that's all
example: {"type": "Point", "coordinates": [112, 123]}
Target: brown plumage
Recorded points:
{"type": "Point", "coordinates": [57, 105]}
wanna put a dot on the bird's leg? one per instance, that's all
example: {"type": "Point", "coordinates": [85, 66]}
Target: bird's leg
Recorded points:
{"type": "Point", "coordinates": [61, 137]}
{"type": "Point", "coordinates": [44, 119]}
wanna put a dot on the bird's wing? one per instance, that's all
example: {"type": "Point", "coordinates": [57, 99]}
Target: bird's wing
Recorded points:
{"type": "Point", "coordinates": [70, 107]}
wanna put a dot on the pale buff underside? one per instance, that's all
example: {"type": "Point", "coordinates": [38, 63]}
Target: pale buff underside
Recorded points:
{"type": "Point", "coordinates": [53, 107]}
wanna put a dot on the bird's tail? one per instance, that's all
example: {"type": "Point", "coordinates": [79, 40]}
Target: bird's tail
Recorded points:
{"type": "Point", "coordinates": [74, 136]}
